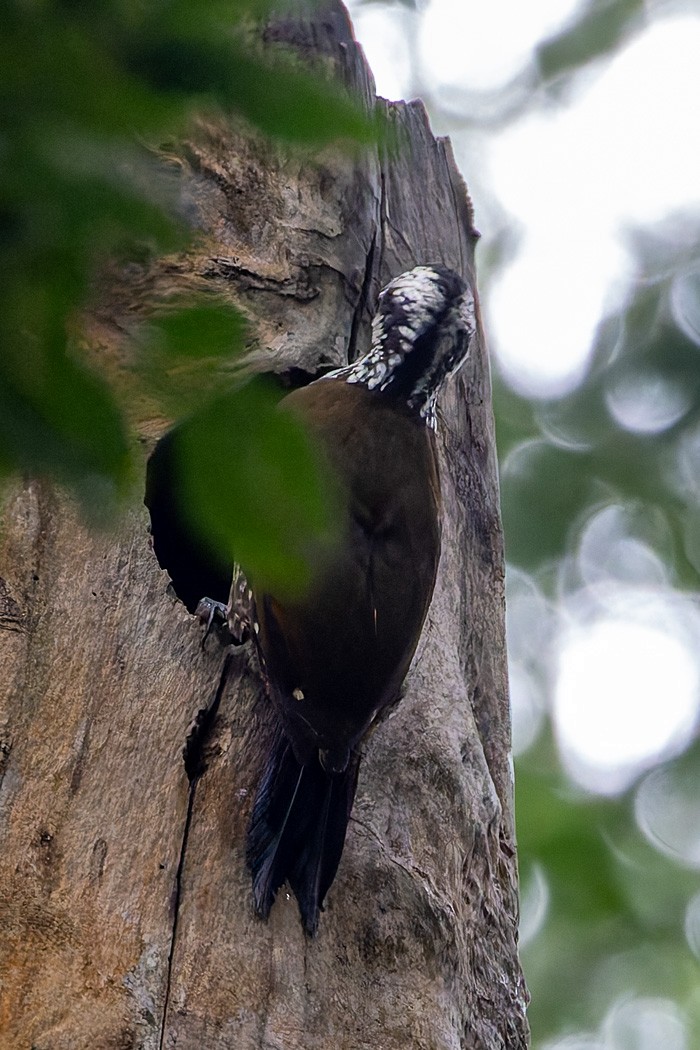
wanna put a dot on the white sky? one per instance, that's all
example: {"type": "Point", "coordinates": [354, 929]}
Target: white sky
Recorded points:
{"type": "Point", "coordinates": [481, 45]}
{"type": "Point", "coordinates": [622, 665]}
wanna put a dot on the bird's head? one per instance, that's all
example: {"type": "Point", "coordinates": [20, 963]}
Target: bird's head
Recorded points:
{"type": "Point", "coordinates": [421, 333]}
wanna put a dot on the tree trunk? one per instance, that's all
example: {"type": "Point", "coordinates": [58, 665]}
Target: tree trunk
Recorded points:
{"type": "Point", "coordinates": [125, 903]}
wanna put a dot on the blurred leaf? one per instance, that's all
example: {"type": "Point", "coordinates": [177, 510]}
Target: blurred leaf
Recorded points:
{"type": "Point", "coordinates": [253, 486]}
{"type": "Point", "coordinates": [269, 89]}
{"type": "Point", "coordinates": [568, 832]}
{"type": "Point", "coordinates": [514, 417]}
{"type": "Point", "coordinates": [76, 93]}
{"type": "Point", "coordinates": [286, 102]}
{"type": "Point", "coordinates": [200, 330]}
{"type": "Point", "coordinates": [601, 30]}
{"type": "Point", "coordinates": [614, 903]}
{"type": "Point", "coordinates": [185, 354]}
{"type": "Point", "coordinates": [57, 418]}
{"type": "Point", "coordinates": [544, 490]}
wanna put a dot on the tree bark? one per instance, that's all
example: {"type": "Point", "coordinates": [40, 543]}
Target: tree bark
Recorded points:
{"type": "Point", "coordinates": [125, 903]}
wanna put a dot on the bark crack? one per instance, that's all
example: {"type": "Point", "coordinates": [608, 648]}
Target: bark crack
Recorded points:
{"type": "Point", "coordinates": [195, 766]}
{"type": "Point", "coordinates": [363, 300]}
{"type": "Point", "coordinates": [176, 907]}
{"type": "Point", "coordinates": [382, 213]}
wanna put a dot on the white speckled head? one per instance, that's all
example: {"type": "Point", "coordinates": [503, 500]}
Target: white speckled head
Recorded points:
{"type": "Point", "coordinates": [420, 336]}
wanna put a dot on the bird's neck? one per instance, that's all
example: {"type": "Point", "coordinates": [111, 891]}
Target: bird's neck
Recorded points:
{"type": "Point", "coordinates": [400, 369]}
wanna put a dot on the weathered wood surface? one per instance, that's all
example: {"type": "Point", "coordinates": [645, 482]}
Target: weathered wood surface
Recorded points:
{"type": "Point", "coordinates": [118, 930]}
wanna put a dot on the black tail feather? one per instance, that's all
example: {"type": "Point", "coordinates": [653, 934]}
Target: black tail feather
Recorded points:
{"type": "Point", "coordinates": [297, 830]}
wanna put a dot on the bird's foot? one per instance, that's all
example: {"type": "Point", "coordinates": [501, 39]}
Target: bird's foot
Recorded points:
{"type": "Point", "coordinates": [231, 622]}
{"type": "Point", "coordinates": [214, 616]}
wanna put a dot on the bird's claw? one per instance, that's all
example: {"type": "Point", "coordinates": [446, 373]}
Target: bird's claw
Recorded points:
{"type": "Point", "coordinates": [214, 615]}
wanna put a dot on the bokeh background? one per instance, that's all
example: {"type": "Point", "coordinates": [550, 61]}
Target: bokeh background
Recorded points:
{"type": "Point", "coordinates": [576, 124]}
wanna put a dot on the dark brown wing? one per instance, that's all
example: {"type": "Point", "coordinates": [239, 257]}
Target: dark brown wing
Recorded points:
{"type": "Point", "coordinates": [340, 655]}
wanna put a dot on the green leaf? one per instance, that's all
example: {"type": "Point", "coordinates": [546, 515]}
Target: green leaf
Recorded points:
{"type": "Point", "coordinates": [200, 329]}
{"type": "Point", "coordinates": [254, 486]}
{"type": "Point", "coordinates": [269, 88]}
{"type": "Point", "coordinates": [57, 418]}
{"type": "Point", "coordinates": [75, 91]}
{"type": "Point", "coordinates": [290, 103]}
{"type": "Point", "coordinates": [186, 354]}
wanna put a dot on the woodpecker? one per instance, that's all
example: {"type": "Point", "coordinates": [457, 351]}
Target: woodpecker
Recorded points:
{"type": "Point", "coordinates": [336, 658]}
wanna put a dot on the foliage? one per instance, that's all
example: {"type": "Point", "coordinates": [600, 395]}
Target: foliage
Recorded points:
{"type": "Point", "coordinates": [289, 499]}
{"type": "Point", "coordinates": [600, 29]}
{"type": "Point", "coordinates": [618, 902]}
{"type": "Point", "coordinates": [581, 453]}
{"type": "Point", "coordinates": [617, 905]}
{"type": "Point", "coordinates": [85, 91]}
